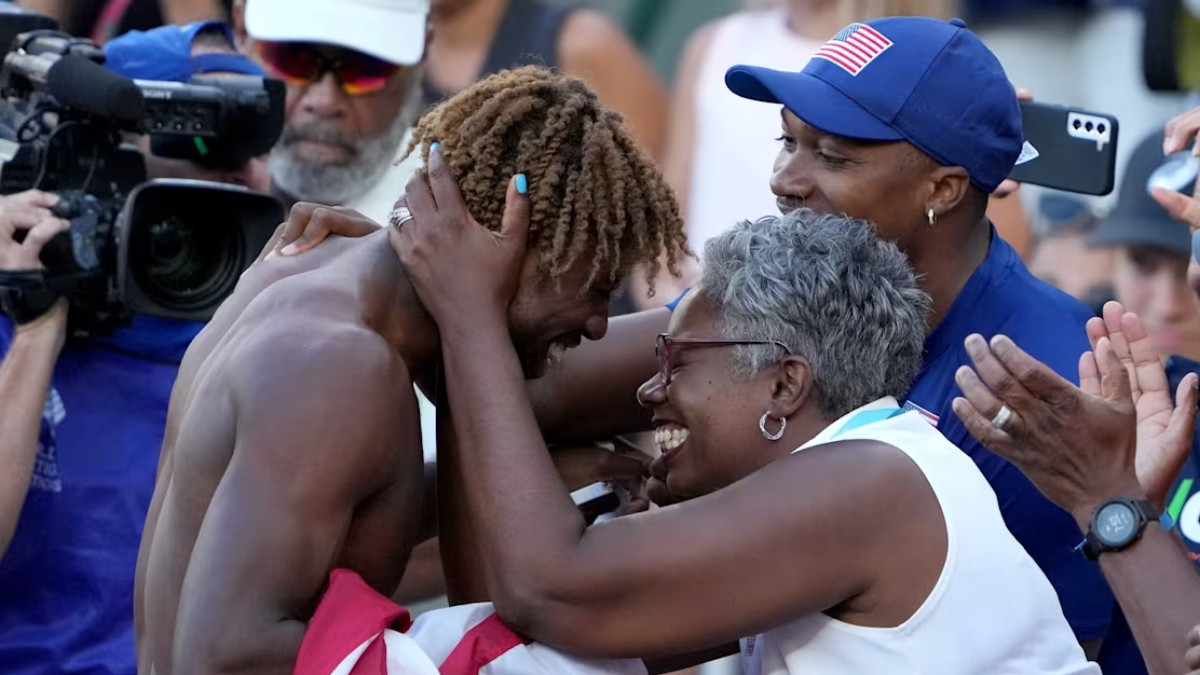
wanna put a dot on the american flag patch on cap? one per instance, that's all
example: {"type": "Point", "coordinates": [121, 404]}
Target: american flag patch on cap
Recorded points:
{"type": "Point", "coordinates": [854, 47]}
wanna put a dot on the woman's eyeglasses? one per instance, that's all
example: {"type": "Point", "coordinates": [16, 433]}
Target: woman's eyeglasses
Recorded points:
{"type": "Point", "coordinates": [666, 347]}
{"type": "Point", "coordinates": [301, 64]}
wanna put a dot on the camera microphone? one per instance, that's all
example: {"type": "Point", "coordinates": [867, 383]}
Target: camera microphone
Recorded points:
{"type": "Point", "coordinates": [80, 83]}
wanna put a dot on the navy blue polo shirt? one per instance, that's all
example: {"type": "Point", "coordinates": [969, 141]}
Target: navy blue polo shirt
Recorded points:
{"type": "Point", "coordinates": [1002, 297]}
{"type": "Point", "coordinates": [66, 581]}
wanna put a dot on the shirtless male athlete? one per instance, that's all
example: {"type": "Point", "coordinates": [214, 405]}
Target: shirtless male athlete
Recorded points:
{"type": "Point", "coordinates": [293, 438]}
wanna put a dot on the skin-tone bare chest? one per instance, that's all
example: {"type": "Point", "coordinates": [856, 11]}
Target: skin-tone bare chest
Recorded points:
{"type": "Point", "coordinates": [275, 308]}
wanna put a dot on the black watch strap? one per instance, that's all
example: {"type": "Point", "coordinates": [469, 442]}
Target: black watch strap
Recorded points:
{"type": "Point", "coordinates": [1144, 512]}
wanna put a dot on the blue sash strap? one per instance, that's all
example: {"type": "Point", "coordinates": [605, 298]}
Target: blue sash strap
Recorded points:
{"type": "Point", "coordinates": [866, 417]}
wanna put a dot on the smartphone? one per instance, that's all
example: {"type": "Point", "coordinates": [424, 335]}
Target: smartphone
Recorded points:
{"type": "Point", "coordinates": [1067, 149]}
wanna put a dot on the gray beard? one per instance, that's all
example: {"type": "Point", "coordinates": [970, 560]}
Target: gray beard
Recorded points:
{"type": "Point", "coordinates": [337, 184]}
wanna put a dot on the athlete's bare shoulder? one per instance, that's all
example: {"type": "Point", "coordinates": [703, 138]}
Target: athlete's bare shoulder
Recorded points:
{"type": "Point", "coordinates": [274, 277]}
{"type": "Point", "coordinates": [304, 367]}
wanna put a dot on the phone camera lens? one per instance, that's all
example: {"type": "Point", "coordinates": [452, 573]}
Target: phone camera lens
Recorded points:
{"type": "Point", "coordinates": [1077, 124]}
{"type": "Point", "coordinates": [1100, 128]}
{"type": "Point", "coordinates": [1088, 126]}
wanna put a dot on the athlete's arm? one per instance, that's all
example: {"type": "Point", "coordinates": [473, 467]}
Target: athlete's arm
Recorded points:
{"type": "Point", "coordinates": [665, 582]}
{"type": "Point", "coordinates": [317, 423]}
{"type": "Point", "coordinates": [592, 392]}
{"type": "Point", "coordinates": [590, 395]}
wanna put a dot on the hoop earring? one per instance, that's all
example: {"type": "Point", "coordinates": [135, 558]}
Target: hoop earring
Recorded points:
{"type": "Point", "coordinates": [932, 218]}
{"type": "Point", "coordinates": [762, 426]}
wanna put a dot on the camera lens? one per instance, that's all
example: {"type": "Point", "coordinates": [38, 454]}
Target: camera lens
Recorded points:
{"type": "Point", "coordinates": [184, 265]}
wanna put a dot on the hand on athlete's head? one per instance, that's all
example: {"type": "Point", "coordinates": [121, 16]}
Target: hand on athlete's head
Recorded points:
{"type": "Point", "coordinates": [442, 240]}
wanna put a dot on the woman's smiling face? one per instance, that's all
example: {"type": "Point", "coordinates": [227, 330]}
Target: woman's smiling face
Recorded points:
{"type": "Point", "coordinates": [705, 418]}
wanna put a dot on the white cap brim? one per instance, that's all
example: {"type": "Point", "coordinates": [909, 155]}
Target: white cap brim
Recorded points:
{"type": "Point", "coordinates": [392, 30]}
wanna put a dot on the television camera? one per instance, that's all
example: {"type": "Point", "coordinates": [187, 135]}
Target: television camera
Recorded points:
{"type": "Point", "coordinates": [170, 248]}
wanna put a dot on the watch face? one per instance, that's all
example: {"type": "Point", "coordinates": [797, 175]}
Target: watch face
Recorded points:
{"type": "Point", "coordinates": [1115, 524]}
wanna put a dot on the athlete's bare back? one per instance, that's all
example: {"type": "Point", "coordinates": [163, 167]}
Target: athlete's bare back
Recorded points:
{"type": "Point", "coordinates": [292, 447]}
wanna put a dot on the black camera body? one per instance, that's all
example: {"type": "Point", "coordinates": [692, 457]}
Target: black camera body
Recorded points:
{"type": "Point", "coordinates": [170, 248]}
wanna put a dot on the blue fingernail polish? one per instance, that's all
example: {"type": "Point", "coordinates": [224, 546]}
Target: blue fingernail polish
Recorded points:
{"type": "Point", "coordinates": [522, 183]}
{"type": "Point", "coordinates": [434, 146]}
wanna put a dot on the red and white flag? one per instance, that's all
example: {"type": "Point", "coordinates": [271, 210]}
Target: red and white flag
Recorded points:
{"type": "Point", "coordinates": [357, 631]}
{"type": "Point", "coordinates": [854, 47]}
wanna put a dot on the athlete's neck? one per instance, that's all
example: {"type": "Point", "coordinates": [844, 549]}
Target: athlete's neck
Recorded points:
{"type": "Point", "coordinates": [391, 307]}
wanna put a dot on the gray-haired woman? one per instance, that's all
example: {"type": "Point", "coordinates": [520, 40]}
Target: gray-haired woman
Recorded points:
{"type": "Point", "coordinates": [848, 535]}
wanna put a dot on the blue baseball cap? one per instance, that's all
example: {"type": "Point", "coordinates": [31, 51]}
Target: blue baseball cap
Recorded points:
{"type": "Point", "coordinates": [165, 54]}
{"type": "Point", "coordinates": [932, 83]}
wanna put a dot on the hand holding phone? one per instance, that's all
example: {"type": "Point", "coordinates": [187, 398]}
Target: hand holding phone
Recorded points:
{"type": "Point", "coordinates": [1068, 149]}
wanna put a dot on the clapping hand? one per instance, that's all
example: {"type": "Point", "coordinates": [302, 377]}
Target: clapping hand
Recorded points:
{"type": "Point", "coordinates": [1117, 434]}
{"type": "Point", "coordinates": [1164, 426]}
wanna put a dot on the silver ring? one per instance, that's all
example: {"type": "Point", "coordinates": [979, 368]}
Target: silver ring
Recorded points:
{"type": "Point", "coordinates": [1002, 418]}
{"type": "Point", "coordinates": [400, 215]}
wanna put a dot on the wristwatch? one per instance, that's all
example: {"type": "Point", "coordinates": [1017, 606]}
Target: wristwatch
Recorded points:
{"type": "Point", "coordinates": [1116, 525]}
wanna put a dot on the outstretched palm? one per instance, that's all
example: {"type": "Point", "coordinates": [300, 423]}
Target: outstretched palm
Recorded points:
{"type": "Point", "coordinates": [1164, 432]}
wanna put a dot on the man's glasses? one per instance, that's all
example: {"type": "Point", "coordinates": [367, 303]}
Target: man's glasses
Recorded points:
{"type": "Point", "coordinates": [667, 347]}
{"type": "Point", "coordinates": [302, 64]}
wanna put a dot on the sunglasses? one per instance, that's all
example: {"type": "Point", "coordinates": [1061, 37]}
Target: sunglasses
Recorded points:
{"type": "Point", "coordinates": [667, 346]}
{"type": "Point", "coordinates": [301, 64]}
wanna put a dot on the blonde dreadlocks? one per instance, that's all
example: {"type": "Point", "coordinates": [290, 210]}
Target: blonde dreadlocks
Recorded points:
{"type": "Point", "coordinates": [594, 192]}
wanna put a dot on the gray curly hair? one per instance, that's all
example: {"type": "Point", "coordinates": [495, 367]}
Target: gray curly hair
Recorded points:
{"type": "Point", "coordinates": [832, 291]}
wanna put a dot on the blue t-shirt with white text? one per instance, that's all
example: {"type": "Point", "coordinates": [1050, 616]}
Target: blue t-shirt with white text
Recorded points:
{"type": "Point", "coordinates": [66, 581]}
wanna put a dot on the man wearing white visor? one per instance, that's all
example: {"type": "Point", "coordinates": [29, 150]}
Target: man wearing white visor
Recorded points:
{"type": "Point", "coordinates": [353, 70]}
{"type": "Point", "coordinates": [353, 73]}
